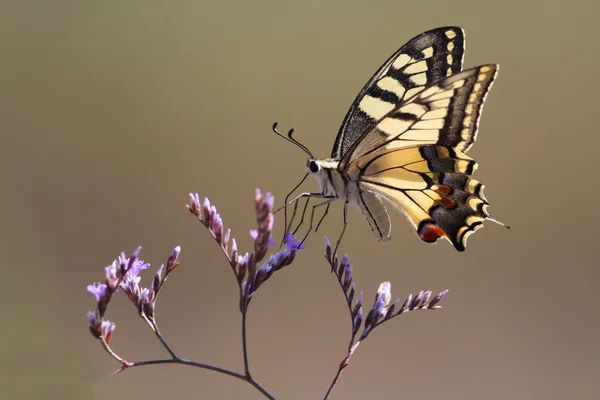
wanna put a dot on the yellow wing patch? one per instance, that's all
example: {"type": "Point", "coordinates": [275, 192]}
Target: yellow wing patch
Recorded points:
{"type": "Point", "coordinates": [446, 113]}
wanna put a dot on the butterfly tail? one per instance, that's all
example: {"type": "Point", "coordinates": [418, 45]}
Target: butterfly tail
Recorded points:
{"type": "Point", "coordinates": [459, 211]}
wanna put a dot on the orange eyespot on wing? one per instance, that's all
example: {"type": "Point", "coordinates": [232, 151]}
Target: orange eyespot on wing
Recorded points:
{"type": "Point", "coordinates": [442, 189]}
{"type": "Point", "coordinates": [430, 232]}
{"type": "Point", "coordinates": [446, 202]}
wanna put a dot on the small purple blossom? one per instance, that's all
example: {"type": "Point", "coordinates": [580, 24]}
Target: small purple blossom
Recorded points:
{"type": "Point", "coordinates": [292, 244]}
{"type": "Point", "coordinates": [206, 210]}
{"type": "Point", "coordinates": [111, 274]}
{"type": "Point", "coordinates": [358, 304]}
{"type": "Point", "coordinates": [99, 290]}
{"type": "Point", "coordinates": [382, 299]}
{"type": "Point", "coordinates": [242, 262]}
{"type": "Point", "coordinates": [147, 302]}
{"type": "Point", "coordinates": [173, 260]}
{"type": "Point", "coordinates": [137, 266]}
{"type": "Point", "coordinates": [108, 328]}
{"type": "Point", "coordinates": [390, 311]}
{"type": "Point", "coordinates": [175, 254]}
{"type": "Point", "coordinates": [327, 249]}
{"type": "Point", "coordinates": [384, 292]}
{"type": "Point", "coordinates": [285, 256]}
{"type": "Point", "coordinates": [99, 327]}
{"type": "Point", "coordinates": [357, 321]}
{"type": "Point", "coordinates": [131, 286]}
{"type": "Point", "coordinates": [347, 277]}
{"type": "Point", "coordinates": [437, 299]}
{"type": "Point", "coordinates": [94, 321]}
{"type": "Point", "coordinates": [263, 204]}
{"type": "Point", "coordinates": [234, 250]}
{"type": "Point", "coordinates": [158, 279]}
{"type": "Point", "coordinates": [194, 206]}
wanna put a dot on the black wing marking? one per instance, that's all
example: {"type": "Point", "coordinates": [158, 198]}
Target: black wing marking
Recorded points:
{"type": "Point", "coordinates": [432, 186]}
{"type": "Point", "coordinates": [445, 113]}
{"type": "Point", "coordinates": [422, 61]}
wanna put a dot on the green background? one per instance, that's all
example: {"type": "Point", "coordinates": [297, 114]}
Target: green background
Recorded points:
{"type": "Point", "coordinates": [112, 111]}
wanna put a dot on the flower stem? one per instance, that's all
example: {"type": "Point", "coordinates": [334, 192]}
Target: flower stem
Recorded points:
{"type": "Point", "coordinates": [343, 365]}
{"type": "Point", "coordinates": [190, 363]}
{"type": "Point", "coordinates": [245, 342]}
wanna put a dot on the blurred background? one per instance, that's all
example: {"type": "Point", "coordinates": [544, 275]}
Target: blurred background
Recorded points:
{"type": "Point", "coordinates": [112, 112]}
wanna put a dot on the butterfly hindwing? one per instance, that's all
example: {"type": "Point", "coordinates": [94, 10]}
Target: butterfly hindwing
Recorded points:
{"type": "Point", "coordinates": [422, 61]}
{"type": "Point", "coordinates": [376, 215]}
{"type": "Point", "coordinates": [445, 113]}
{"type": "Point", "coordinates": [432, 187]}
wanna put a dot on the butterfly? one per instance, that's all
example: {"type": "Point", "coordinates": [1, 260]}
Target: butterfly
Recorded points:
{"type": "Point", "coordinates": [403, 143]}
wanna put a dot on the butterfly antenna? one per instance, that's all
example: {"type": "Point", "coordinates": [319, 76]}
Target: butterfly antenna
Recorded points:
{"type": "Point", "coordinates": [291, 139]}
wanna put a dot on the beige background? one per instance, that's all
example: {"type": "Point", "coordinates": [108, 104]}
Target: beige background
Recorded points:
{"type": "Point", "coordinates": [112, 111]}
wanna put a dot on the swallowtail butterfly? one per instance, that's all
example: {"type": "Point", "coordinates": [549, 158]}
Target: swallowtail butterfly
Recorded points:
{"type": "Point", "coordinates": [403, 143]}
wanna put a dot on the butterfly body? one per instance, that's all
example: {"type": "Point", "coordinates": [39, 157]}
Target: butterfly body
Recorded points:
{"type": "Point", "coordinates": [404, 139]}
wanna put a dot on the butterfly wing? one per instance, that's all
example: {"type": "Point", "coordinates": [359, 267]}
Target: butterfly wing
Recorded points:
{"type": "Point", "coordinates": [425, 59]}
{"type": "Point", "coordinates": [414, 157]}
{"type": "Point", "coordinates": [446, 113]}
{"type": "Point", "coordinates": [376, 215]}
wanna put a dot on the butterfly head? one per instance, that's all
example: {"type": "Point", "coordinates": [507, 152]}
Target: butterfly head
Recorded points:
{"type": "Point", "coordinates": [323, 171]}
{"type": "Point", "coordinates": [313, 167]}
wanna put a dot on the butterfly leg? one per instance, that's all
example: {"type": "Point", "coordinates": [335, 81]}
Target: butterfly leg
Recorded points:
{"type": "Point", "coordinates": [291, 223]}
{"type": "Point", "coordinates": [295, 200]}
{"type": "Point", "coordinates": [322, 218]}
{"type": "Point", "coordinates": [343, 229]}
{"type": "Point", "coordinates": [312, 214]}
{"type": "Point", "coordinates": [285, 230]}
{"type": "Point", "coordinates": [301, 218]}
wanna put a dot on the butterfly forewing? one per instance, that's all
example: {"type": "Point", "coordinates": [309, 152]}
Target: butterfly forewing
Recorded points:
{"type": "Point", "coordinates": [414, 157]}
{"type": "Point", "coordinates": [422, 61]}
{"type": "Point", "coordinates": [446, 113]}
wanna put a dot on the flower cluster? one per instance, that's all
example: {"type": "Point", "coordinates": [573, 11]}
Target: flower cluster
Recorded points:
{"type": "Point", "coordinates": [251, 271]}
{"type": "Point", "coordinates": [124, 273]}
{"type": "Point", "coordinates": [381, 311]}
{"type": "Point", "coordinates": [249, 276]}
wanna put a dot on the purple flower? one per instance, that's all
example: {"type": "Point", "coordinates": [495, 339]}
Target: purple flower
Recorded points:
{"type": "Point", "coordinates": [291, 244]}
{"type": "Point", "coordinates": [107, 330]}
{"type": "Point", "coordinates": [286, 256]}
{"type": "Point", "coordinates": [92, 318]}
{"type": "Point", "coordinates": [100, 291]}
{"type": "Point", "coordinates": [131, 286]}
{"type": "Point", "coordinates": [347, 277]}
{"type": "Point", "coordinates": [195, 201]}
{"type": "Point", "coordinates": [172, 261]}
{"type": "Point", "coordinates": [146, 305]}
{"type": "Point", "coordinates": [94, 323]}
{"type": "Point", "coordinates": [254, 236]}
{"type": "Point", "coordinates": [382, 299]}
{"type": "Point", "coordinates": [175, 253]}
{"type": "Point", "coordinates": [206, 210]}
{"type": "Point", "coordinates": [137, 266]}
{"type": "Point", "coordinates": [384, 292]}
{"type": "Point", "coordinates": [437, 299]}
{"type": "Point", "coordinates": [379, 310]}
{"type": "Point", "coordinates": [112, 273]}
